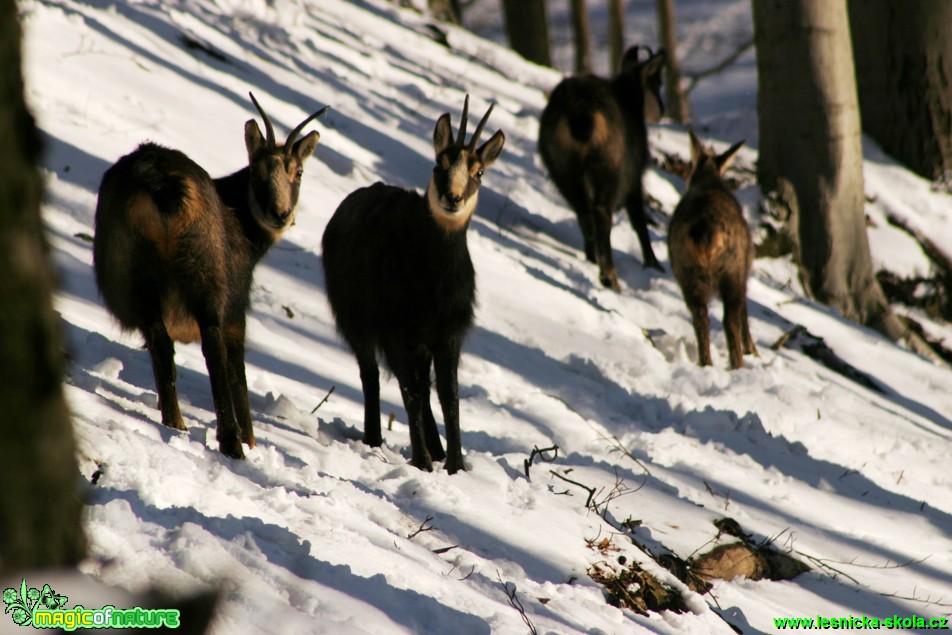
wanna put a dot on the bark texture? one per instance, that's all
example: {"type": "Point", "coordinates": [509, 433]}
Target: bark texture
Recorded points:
{"type": "Point", "coordinates": [677, 103]}
{"type": "Point", "coordinates": [527, 26]}
{"type": "Point", "coordinates": [811, 151]}
{"type": "Point", "coordinates": [39, 499]}
{"type": "Point", "coordinates": [582, 34]}
{"type": "Point", "coordinates": [903, 56]}
{"type": "Point", "coordinates": [616, 34]}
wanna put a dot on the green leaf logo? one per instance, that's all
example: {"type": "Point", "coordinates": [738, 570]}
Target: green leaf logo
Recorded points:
{"type": "Point", "coordinates": [24, 603]}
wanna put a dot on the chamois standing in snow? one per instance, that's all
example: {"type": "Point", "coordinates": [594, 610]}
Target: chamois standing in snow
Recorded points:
{"type": "Point", "coordinates": [594, 143]}
{"type": "Point", "coordinates": [400, 283]}
{"type": "Point", "coordinates": [710, 249]}
{"type": "Point", "coordinates": [175, 253]}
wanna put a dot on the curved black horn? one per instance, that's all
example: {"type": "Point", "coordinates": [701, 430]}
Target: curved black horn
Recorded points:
{"type": "Point", "coordinates": [269, 129]}
{"type": "Point", "coordinates": [294, 133]}
{"type": "Point", "coordinates": [479, 128]}
{"type": "Point", "coordinates": [461, 139]}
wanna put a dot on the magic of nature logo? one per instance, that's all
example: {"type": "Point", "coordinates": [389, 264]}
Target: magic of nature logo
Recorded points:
{"type": "Point", "coordinates": [44, 608]}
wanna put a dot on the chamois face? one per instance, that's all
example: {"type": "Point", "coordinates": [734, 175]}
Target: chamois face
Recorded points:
{"type": "Point", "coordinates": [457, 175]}
{"type": "Point", "coordinates": [275, 172]}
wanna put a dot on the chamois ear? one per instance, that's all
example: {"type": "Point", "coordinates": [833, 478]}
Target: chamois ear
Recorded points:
{"type": "Point", "coordinates": [490, 151]}
{"type": "Point", "coordinates": [727, 157]}
{"type": "Point", "coordinates": [697, 148]}
{"type": "Point", "coordinates": [654, 64]}
{"type": "Point", "coordinates": [254, 141]}
{"type": "Point", "coordinates": [303, 148]}
{"type": "Point", "coordinates": [442, 134]}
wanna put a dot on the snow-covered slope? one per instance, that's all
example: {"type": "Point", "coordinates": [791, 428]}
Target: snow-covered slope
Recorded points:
{"type": "Point", "coordinates": [317, 533]}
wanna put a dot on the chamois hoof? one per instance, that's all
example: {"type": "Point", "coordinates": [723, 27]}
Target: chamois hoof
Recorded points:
{"type": "Point", "coordinates": [610, 281]}
{"type": "Point", "coordinates": [373, 440]}
{"type": "Point", "coordinates": [231, 448]}
{"type": "Point", "coordinates": [177, 424]}
{"type": "Point", "coordinates": [654, 265]}
{"type": "Point", "coordinates": [454, 465]}
{"type": "Point", "coordinates": [424, 464]}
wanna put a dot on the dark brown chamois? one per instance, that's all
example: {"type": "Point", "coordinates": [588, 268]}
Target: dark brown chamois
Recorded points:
{"type": "Point", "coordinates": [400, 283]}
{"type": "Point", "coordinates": [175, 253]}
{"type": "Point", "coordinates": [593, 142]}
{"type": "Point", "coordinates": [710, 249]}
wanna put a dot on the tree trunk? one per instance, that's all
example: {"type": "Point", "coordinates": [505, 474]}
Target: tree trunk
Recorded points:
{"type": "Point", "coordinates": [527, 27]}
{"type": "Point", "coordinates": [40, 504]}
{"type": "Point", "coordinates": [677, 106]}
{"type": "Point", "coordinates": [616, 34]}
{"type": "Point", "coordinates": [583, 43]}
{"type": "Point", "coordinates": [811, 152]}
{"type": "Point", "coordinates": [903, 56]}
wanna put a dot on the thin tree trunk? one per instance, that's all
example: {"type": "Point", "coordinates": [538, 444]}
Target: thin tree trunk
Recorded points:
{"type": "Point", "coordinates": [677, 106]}
{"type": "Point", "coordinates": [527, 27]}
{"type": "Point", "coordinates": [616, 34]}
{"type": "Point", "coordinates": [39, 501]}
{"type": "Point", "coordinates": [811, 152]}
{"type": "Point", "coordinates": [903, 56]}
{"type": "Point", "coordinates": [583, 44]}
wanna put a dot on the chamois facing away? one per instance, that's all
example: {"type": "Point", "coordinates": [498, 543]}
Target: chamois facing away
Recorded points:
{"type": "Point", "coordinates": [593, 142]}
{"type": "Point", "coordinates": [175, 253]}
{"type": "Point", "coordinates": [401, 284]}
{"type": "Point", "coordinates": [710, 249]}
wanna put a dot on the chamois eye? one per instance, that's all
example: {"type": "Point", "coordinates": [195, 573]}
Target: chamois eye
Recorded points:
{"type": "Point", "coordinates": [479, 174]}
{"type": "Point", "coordinates": [299, 174]}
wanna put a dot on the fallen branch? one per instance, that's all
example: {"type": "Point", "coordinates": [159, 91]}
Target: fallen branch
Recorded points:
{"type": "Point", "coordinates": [423, 527]}
{"type": "Point", "coordinates": [324, 400]}
{"type": "Point", "coordinates": [515, 603]}
{"type": "Point", "coordinates": [591, 490]}
{"type": "Point", "coordinates": [537, 452]}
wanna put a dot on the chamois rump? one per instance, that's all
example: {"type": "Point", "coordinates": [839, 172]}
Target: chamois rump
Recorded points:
{"type": "Point", "coordinates": [710, 249]}
{"type": "Point", "coordinates": [594, 144]}
{"type": "Point", "coordinates": [401, 285]}
{"type": "Point", "coordinates": [175, 253]}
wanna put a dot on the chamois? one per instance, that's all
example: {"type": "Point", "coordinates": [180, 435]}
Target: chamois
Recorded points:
{"type": "Point", "coordinates": [175, 253]}
{"type": "Point", "coordinates": [401, 284]}
{"type": "Point", "coordinates": [710, 249]}
{"type": "Point", "coordinates": [593, 142]}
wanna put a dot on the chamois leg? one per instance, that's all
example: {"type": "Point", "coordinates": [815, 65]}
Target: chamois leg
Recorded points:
{"type": "Point", "coordinates": [602, 216]}
{"type": "Point", "coordinates": [696, 287]}
{"type": "Point", "coordinates": [238, 382]}
{"type": "Point", "coordinates": [446, 362]}
{"type": "Point", "coordinates": [370, 381]}
{"type": "Point", "coordinates": [430, 432]}
{"type": "Point", "coordinates": [578, 200]}
{"type": "Point", "coordinates": [635, 204]}
{"type": "Point", "coordinates": [702, 332]}
{"type": "Point", "coordinates": [216, 361]}
{"type": "Point", "coordinates": [749, 347]}
{"type": "Point", "coordinates": [413, 374]}
{"type": "Point", "coordinates": [587, 225]}
{"type": "Point", "coordinates": [732, 294]}
{"type": "Point", "coordinates": [162, 352]}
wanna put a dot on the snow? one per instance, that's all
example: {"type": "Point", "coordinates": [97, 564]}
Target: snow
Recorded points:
{"type": "Point", "coordinates": [314, 532]}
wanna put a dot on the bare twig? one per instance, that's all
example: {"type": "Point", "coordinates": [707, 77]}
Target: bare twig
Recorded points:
{"type": "Point", "coordinates": [424, 526]}
{"type": "Point", "coordinates": [694, 78]}
{"type": "Point", "coordinates": [515, 603]}
{"type": "Point", "coordinates": [914, 598]}
{"type": "Point", "coordinates": [591, 490]}
{"type": "Point", "coordinates": [537, 452]}
{"type": "Point", "coordinates": [326, 397]}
